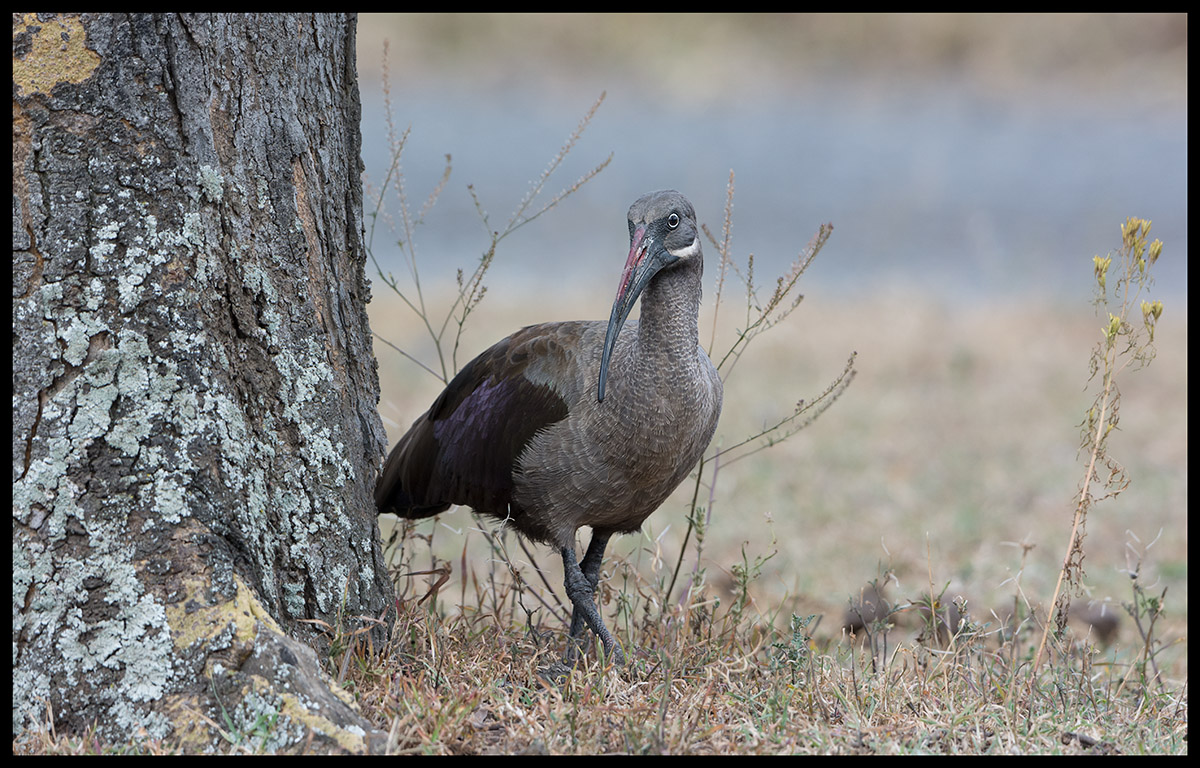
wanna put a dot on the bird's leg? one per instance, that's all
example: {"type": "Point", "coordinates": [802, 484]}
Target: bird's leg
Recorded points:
{"type": "Point", "coordinates": [580, 581]}
{"type": "Point", "coordinates": [590, 568]}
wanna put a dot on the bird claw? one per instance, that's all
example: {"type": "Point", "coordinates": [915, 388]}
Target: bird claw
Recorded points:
{"type": "Point", "coordinates": [577, 640]}
{"type": "Point", "coordinates": [616, 654]}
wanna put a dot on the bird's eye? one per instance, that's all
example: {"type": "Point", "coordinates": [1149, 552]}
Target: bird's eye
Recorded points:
{"type": "Point", "coordinates": [673, 220]}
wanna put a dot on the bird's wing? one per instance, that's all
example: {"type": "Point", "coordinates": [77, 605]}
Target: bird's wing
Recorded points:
{"type": "Point", "coordinates": [463, 450]}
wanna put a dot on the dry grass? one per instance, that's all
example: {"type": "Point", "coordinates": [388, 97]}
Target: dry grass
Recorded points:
{"type": "Point", "coordinates": [704, 685]}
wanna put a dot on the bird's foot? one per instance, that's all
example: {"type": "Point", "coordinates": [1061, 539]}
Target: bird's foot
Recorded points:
{"type": "Point", "coordinates": [577, 645]}
{"type": "Point", "coordinates": [615, 653]}
{"type": "Point", "coordinates": [558, 672]}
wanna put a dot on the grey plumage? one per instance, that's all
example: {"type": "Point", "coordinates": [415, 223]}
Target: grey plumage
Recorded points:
{"type": "Point", "coordinates": [572, 424]}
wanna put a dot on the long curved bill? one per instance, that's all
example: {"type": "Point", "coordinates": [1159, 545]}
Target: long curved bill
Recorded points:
{"type": "Point", "coordinates": [641, 265]}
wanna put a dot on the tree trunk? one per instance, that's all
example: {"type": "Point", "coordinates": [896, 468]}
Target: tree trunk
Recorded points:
{"type": "Point", "coordinates": [195, 433]}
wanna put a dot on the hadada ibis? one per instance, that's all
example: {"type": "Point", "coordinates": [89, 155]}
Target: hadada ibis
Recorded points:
{"type": "Point", "coordinates": [583, 423]}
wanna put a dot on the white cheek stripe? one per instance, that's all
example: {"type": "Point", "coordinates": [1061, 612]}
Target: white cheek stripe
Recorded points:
{"type": "Point", "coordinates": [687, 253]}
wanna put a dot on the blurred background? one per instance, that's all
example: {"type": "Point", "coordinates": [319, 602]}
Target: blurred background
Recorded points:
{"type": "Point", "coordinates": [971, 167]}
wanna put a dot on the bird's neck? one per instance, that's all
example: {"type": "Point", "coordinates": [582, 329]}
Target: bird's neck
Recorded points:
{"type": "Point", "coordinates": [669, 321]}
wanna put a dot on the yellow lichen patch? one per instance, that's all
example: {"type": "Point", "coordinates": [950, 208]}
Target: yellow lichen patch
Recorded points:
{"type": "Point", "coordinates": [297, 711]}
{"type": "Point", "coordinates": [57, 54]}
{"type": "Point", "coordinates": [191, 619]}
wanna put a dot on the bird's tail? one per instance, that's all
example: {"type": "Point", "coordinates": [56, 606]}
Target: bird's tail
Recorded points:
{"type": "Point", "coordinates": [392, 496]}
{"type": "Point", "coordinates": [410, 512]}
{"type": "Point", "coordinates": [403, 487]}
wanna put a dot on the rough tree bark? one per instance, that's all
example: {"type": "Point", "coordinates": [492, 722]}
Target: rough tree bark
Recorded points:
{"type": "Point", "coordinates": [195, 433]}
